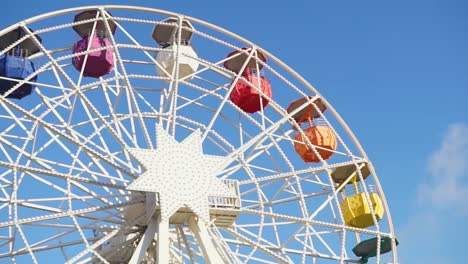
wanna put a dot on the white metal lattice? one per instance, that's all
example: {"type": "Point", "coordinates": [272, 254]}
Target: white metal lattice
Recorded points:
{"type": "Point", "coordinates": [86, 164]}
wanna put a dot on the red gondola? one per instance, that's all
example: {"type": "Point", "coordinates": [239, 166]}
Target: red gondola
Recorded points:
{"type": "Point", "coordinates": [248, 98]}
{"type": "Point", "coordinates": [244, 95]}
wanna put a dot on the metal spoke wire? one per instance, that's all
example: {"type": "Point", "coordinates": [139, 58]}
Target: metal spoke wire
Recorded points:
{"type": "Point", "coordinates": [65, 163]}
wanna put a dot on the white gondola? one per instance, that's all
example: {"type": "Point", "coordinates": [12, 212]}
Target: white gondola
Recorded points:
{"type": "Point", "coordinates": [167, 36]}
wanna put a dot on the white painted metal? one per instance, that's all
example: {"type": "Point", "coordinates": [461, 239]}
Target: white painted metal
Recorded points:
{"type": "Point", "coordinates": [188, 64]}
{"type": "Point", "coordinates": [181, 174]}
{"type": "Point", "coordinates": [162, 240]}
{"type": "Point", "coordinates": [87, 168]}
{"type": "Point", "coordinates": [210, 253]}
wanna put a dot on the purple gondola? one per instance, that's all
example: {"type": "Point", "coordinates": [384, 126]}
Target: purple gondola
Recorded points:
{"type": "Point", "coordinates": [97, 63]}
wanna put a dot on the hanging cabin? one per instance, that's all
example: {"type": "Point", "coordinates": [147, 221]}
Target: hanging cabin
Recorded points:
{"type": "Point", "coordinates": [94, 35]}
{"type": "Point", "coordinates": [306, 108]}
{"type": "Point", "coordinates": [357, 212]}
{"type": "Point", "coordinates": [368, 248]}
{"type": "Point", "coordinates": [245, 93]}
{"type": "Point", "coordinates": [167, 36]}
{"type": "Point", "coordinates": [15, 64]}
{"type": "Point", "coordinates": [308, 111]}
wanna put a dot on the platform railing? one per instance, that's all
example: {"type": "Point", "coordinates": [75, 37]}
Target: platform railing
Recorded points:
{"type": "Point", "coordinates": [232, 201]}
{"type": "Point", "coordinates": [229, 201]}
{"type": "Point", "coordinates": [350, 189]}
{"type": "Point", "coordinates": [18, 52]}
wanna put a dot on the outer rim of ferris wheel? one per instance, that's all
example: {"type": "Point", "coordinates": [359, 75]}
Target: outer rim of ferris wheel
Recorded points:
{"type": "Point", "coordinates": [272, 58]}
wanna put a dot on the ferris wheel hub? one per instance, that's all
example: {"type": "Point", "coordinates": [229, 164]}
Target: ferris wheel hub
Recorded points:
{"type": "Point", "coordinates": [181, 174]}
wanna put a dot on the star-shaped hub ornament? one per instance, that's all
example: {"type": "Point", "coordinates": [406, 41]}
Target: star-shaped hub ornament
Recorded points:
{"type": "Point", "coordinates": [181, 174]}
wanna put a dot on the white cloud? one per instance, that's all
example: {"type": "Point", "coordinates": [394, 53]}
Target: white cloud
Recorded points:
{"type": "Point", "coordinates": [451, 158]}
{"type": "Point", "coordinates": [422, 240]}
{"type": "Point", "coordinates": [441, 204]}
{"type": "Point", "coordinates": [448, 166]}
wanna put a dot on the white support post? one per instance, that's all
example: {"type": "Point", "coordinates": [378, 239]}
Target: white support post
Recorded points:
{"type": "Point", "coordinates": [150, 205]}
{"type": "Point", "coordinates": [210, 253]}
{"type": "Point", "coordinates": [144, 242]}
{"type": "Point", "coordinates": [163, 241]}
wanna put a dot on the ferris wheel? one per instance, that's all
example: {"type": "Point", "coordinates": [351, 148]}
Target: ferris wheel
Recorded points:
{"type": "Point", "coordinates": [136, 135]}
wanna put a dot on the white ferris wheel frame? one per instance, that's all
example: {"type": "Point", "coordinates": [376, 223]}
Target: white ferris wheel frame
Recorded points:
{"type": "Point", "coordinates": [209, 250]}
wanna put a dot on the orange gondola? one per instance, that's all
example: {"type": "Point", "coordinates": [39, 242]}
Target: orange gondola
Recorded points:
{"type": "Point", "coordinates": [322, 137]}
{"type": "Point", "coordinates": [307, 109]}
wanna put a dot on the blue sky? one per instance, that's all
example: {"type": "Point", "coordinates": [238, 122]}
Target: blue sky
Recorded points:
{"type": "Point", "coordinates": [406, 62]}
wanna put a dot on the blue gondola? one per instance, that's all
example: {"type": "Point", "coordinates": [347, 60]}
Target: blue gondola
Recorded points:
{"type": "Point", "coordinates": [15, 65]}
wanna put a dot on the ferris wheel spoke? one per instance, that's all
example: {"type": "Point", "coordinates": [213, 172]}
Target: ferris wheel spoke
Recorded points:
{"type": "Point", "coordinates": [299, 220]}
{"type": "Point", "coordinates": [111, 106]}
{"type": "Point", "coordinates": [298, 194]}
{"type": "Point", "coordinates": [287, 183]}
{"type": "Point", "coordinates": [208, 66]}
{"type": "Point", "coordinates": [8, 157]}
{"type": "Point", "coordinates": [181, 232]}
{"type": "Point", "coordinates": [196, 101]}
{"type": "Point", "coordinates": [136, 43]}
{"type": "Point", "coordinates": [34, 171]}
{"type": "Point", "coordinates": [106, 150]}
{"type": "Point", "coordinates": [253, 244]}
{"type": "Point", "coordinates": [271, 181]}
{"type": "Point", "coordinates": [88, 48]}
{"type": "Point", "coordinates": [223, 102]}
{"type": "Point", "coordinates": [73, 195]}
{"type": "Point", "coordinates": [28, 247]}
{"type": "Point", "coordinates": [307, 171]}
{"type": "Point", "coordinates": [288, 251]}
{"type": "Point", "coordinates": [290, 200]}
{"type": "Point", "coordinates": [105, 147]}
{"type": "Point", "coordinates": [93, 247]}
{"type": "Point", "coordinates": [93, 164]}
{"type": "Point", "coordinates": [94, 193]}
{"type": "Point", "coordinates": [23, 153]}
{"type": "Point", "coordinates": [18, 122]}
{"type": "Point", "coordinates": [77, 212]}
{"type": "Point", "coordinates": [260, 240]}
{"type": "Point", "coordinates": [60, 211]}
{"type": "Point", "coordinates": [82, 96]}
{"type": "Point", "coordinates": [261, 149]}
{"type": "Point", "coordinates": [127, 245]}
{"type": "Point", "coordinates": [75, 156]}
{"type": "Point", "coordinates": [302, 239]}
{"type": "Point", "coordinates": [56, 131]}
{"type": "Point", "coordinates": [53, 102]}
{"type": "Point", "coordinates": [175, 78]}
{"type": "Point", "coordinates": [88, 105]}
{"type": "Point", "coordinates": [307, 236]}
{"type": "Point", "coordinates": [296, 236]}
{"type": "Point", "coordinates": [43, 248]}
{"type": "Point", "coordinates": [41, 245]}
{"type": "Point", "coordinates": [215, 138]}
{"type": "Point", "coordinates": [257, 151]}
{"type": "Point", "coordinates": [33, 203]}
{"type": "Point", "coordinates": [127, 80]}
{"type": "Point", "coordinates": [257, 260]}
{"type": "Point", "coordinates": [6, 134]}
{"type": "Point", "coordinates": [260, 137]}
{"type": "Point", "coordinates": [7, 241]}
